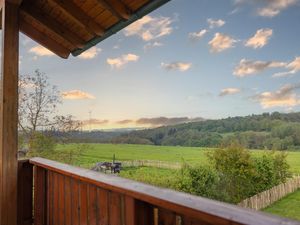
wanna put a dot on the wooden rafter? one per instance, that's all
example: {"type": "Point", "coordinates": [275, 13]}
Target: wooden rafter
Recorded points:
{"type": "Point", "coordinates": [51, 24]}
{"type": "Point", "coordinates": [44, 40]}
{"type": "Point", "coordinates": [77, 14]}
{"type": "Point", "coordinates": [117, 8]}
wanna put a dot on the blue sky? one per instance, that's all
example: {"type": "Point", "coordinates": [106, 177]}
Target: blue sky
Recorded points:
{"type": "Point", "coordinates": [190, 58]}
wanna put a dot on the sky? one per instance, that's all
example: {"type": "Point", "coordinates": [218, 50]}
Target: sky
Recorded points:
{"type": "Point", "coordinates": [187, 60]}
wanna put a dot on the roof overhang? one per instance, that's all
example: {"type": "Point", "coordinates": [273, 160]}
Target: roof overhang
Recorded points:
{"type": "Point", "coordinates": [73, 26]}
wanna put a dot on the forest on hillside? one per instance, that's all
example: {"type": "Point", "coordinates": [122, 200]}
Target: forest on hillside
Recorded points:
{"type": "Point", "coordinates": [280, 131]}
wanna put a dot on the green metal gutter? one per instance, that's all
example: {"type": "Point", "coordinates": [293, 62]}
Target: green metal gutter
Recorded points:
{"type": "Point", "coordinates": [154, 4]}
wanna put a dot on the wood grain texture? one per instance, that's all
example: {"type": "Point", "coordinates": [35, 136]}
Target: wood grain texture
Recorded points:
{"type": "Point", "coordinates": [9, 114]}
{"type": "Point", "coordinates": [40, 196]}
{"type": "Point", "coordinates": [173, 207]}
{"type": "Point", "coordinates": [25, 189]}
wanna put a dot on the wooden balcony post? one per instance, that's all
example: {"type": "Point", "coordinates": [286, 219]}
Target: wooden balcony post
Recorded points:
{"type": "Point", "coordinates": [9, 112]}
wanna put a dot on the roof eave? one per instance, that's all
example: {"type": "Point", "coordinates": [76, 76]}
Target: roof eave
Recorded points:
{"type": "Point", "coordinates": [122, 24]}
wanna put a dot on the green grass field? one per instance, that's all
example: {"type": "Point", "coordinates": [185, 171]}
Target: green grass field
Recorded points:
{"type": "Point", "coordinates": [124, 152]}
{"type": "Point", "coordinates": [287, 207]}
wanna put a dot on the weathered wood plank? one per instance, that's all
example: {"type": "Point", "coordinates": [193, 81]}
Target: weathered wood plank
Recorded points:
{"type": "Point", "coordinates": [130, 215]}
{"type": "Point", "coordinates": [75, 202]}
{"type": "Point", "coordinates": [40, 196]}
{"type": "Point", "coordinates": [25, 189]}
{"type": "Point", "coordinates": [147, 197]}
{"type": "Point", "coordinates": [92, 204]}
{"type": "Point", "coordinates": [68, 201]}
{"type": "Point", "coordinates": [114, 208]}
{"type": "Point", "coordinates": [80, 17]}
{"type": "Point", "coordinates": [61, 200]}
{"type": "Point", "coordinates": [102, 199]}
{"type": "Point", "coordinates": [83, 204]}
{"type": "Point", "coordinates": [9, 114]}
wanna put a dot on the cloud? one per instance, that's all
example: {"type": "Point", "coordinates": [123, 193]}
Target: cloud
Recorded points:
{"type": "Point", "coordinates": [164, 121]}
{"type": "Point", "coordinates": [274, 7]}
{"type": "Point", "coordinates": [284, 97]}
{"type": "Point", "coordinates": [181, 66]}
{"type": "Point", "coordinates": [121, 61]}
{"type": "Point", "coordinates": [293, 67]}
{"type": "Point", "coordinates": [41, 51]}
{"type": "Point", "coordinates": [221, 42]}
{"type": "Point", "coordinates": [260, 39]}
{"type": "Point", "coordinates": [195, 36]}
{"type": "Point", "coordinates": [122, 122]}
{"type": "Point", "coordinates": [149, 28]}
{"type": "Point", "coordinates": [77, 95]}
{"type": "Point", "coordinates": [229, 91]}
{"type": "Point", "coordinates": [94, 122]}
{"type": "Point", "coordinates": [90, 54]}
{"type": "Point", "coordinates": [215, 23]}
{"type": "Point", "coordinates": [250, 67]}
{"type": "Point", "coordinates": [153, 45]}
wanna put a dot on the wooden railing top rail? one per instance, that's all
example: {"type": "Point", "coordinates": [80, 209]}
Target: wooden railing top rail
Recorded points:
{"type": "Point", "coordinates": [185, 204]}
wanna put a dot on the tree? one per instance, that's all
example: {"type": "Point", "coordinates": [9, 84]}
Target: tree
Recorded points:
{"type": "Point", "coordinates": [38, 100]}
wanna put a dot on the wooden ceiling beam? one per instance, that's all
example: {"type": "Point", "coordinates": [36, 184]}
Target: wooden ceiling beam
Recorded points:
{"type": "Point", "coordinates": [44, 40]}
{"type": "Point", "coordinates": [117, 8]}
{"type": "Point", "coordinates": [50, 23]}
{"type": "Point", "coordinates": [80, 16]}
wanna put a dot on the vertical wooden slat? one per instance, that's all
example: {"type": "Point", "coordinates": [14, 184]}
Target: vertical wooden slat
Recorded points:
{"type": "Point", "coordinates": [114, 208]}
{"type": "Point", "coordinates": [75, 202]}
{"type": "Point", "coordinates": [50, 198]}
{"type": "Point", "coordinates": [9, 113]}
{"type": "Point", "coordinates": [129, 210]}
{"type": "Point", "coordinates": [144, 213]}
{"type": "Point", "coordinates": [40, 196]}
{"type": "Point", "coordinates": [166, 217]}
{"type": "Point", "coordinates": [92, 204]}
{"type": "Point", "coordinates": [68, 201]}
{"type": "Point", "coordinates": [83, 204]}
{"type": "Point", "coordinates": [61, 200]}
{"type": "Point", "coordinates": [102, 199]}
{"type": "Point", "coordinates": [55, 214]}
{"type": "Point", "coordinates": [25, 188]}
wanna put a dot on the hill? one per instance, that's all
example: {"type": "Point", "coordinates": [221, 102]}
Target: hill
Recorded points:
{"type": "Point", "coordinates": [266, 131]}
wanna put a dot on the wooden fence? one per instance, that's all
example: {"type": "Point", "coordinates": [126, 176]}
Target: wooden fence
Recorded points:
{"type": "Point", "coordinates": [152, 163]}
{"type": "Point", "coordinates": [268, 197]}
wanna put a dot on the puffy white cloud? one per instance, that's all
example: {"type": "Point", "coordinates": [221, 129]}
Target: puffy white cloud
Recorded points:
{"type": "Point", "coordinates": [90, 53]}
{"type": "Point", "coordinates": [149, 28]}
{"type": "Point", "coordinates": [181, 66]}
{"type": "Point", "coordinates": [250, 67]}
{"type": "Point", "coordinates": [284, 97]}
{"type": "Point", "coordinates": [260, 39]}
{"type": "Point", "coordinates": [77, 95]}
{"type": "Point", "coordinates": [229, 91]}
{"type": "Point", "coordinates": [293, 67]}
{"type": "Point", "coordinates": [274, 7]}
{"type": "Point", "coordinates": [215, 23]}
{"type": "Point", "coordinates": [121, 61]}
{"type": "Point", "coordinates": [41, 51]}
{"type": "Point", "coordinates": [221, 42]}
{"type": "Point", "coordinates": [197, 35]}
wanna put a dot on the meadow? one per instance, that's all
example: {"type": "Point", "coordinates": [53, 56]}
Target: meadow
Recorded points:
{"type": "Point", "coordinates": [287, 207]}
{"type": "Point", "coordinates": [93, 153]}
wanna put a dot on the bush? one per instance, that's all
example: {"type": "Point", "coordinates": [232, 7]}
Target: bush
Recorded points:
{"type": "Point", "coordinates": [200, 180]}
{"type": "Point", "coordinates": [40, 143]}
{"type": "Point", "coordinates": [234, 175]}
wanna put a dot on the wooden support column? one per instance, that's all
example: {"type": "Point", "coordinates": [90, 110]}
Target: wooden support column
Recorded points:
{"type": "Point", "coordinates": [9, 112]}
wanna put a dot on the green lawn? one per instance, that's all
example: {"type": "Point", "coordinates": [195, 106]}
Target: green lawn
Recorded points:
{"type": "Point", "coordinates": [104, 152]}
{"type": "Point", "coordinates": [287, 207]}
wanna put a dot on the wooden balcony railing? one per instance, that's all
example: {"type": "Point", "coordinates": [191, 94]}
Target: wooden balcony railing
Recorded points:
{"type": "Point", "coordinates": [67, 195]}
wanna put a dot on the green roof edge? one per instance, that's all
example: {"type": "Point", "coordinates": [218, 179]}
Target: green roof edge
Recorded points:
{"type": "Point", "coordinates": [122, 24]}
